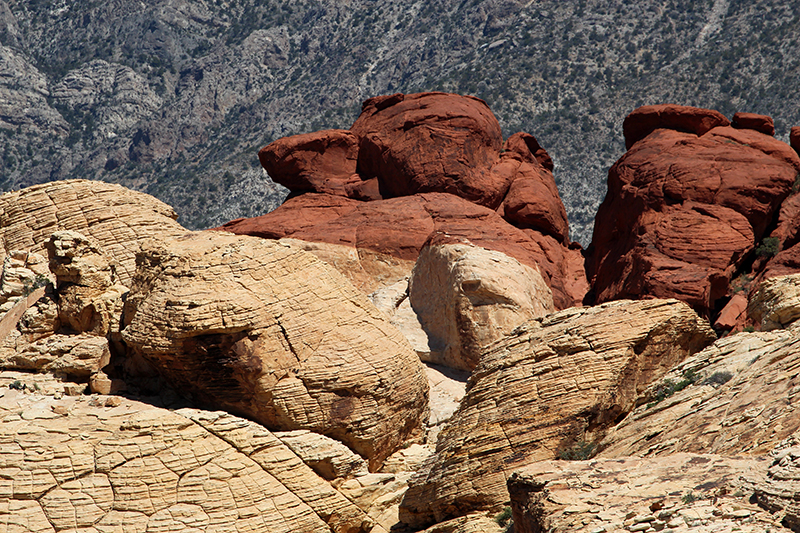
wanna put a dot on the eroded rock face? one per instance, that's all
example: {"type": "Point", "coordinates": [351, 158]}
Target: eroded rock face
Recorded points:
{"type": "Point", "coordinates": [553, 382]}
{"type": "Point", "coordinates": [430, 142]}
{"type": "Point", "coordinates": [779, 491]}
{"type": "Point", "coordinates": [685, 206]}
{"type": "Point", "coordinates": [702, 492]}
{"type": "Point", "coordinates": [466, 297]}
{"type": "Point", "coordinates": [258, 328]}
{"type": "Point", "coordinates": [413, 151]}
{"type": "Point", "coordinates": [119, 219]}
{"type": "Point", "coordinates": [377, 243]}
{"type": "Point", "coordinates": [323, 161]}
{"type": "Point", "coordinates": [735, 397]}
{"type": "Point", "coordinates": [139, 467]}
{"type": "Point", "coordinates": [753, 121]}
{"type": "Point", "coordinates": [775, 304]}
{"type": "Point", "coordinates": [90, 296]}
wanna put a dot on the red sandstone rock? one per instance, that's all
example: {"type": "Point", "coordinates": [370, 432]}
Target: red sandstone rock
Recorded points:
{"type": "Point", "coordinates": [733, 314]}
{"type": "Point", "coordinates": [794, 138]}
{"type": "Point", "coordinates": [753, 121]}
{"type": "Point", "coordinates": [683, 212]}
{"type": "Point", "coordinates": [323, 161]}
{"type": "Point", "coordinates": [644, 120]}
{"type": "Point", "coordinates": [399, 227]}
{"type": "Point", "coordinates": [430, 142]}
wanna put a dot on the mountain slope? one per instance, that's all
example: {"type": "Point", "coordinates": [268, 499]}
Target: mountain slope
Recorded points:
{"type": "Point", "coordinates": [175, 97]}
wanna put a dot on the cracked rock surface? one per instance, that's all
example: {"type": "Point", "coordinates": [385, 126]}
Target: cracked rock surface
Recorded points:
{"type": "Point", "coordinates": [553, 382]}
{"type": "Point", "coordinates": [258, 328]}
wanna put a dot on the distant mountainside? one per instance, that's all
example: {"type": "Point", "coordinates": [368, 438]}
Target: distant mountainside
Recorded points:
{"type": "Point", "coordinates": [175, 97]}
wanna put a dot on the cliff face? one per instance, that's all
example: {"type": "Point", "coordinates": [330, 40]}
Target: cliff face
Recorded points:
{"type": "Point", "coordinates": [175, 97]}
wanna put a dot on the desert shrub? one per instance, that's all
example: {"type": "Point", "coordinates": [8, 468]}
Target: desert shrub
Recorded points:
{"type": "Point", "coordinates": [669, 387]}
{"type": "Point", "coordinates": [580, 451]}
{"type": "Point", "coordinates": [768, 247]}
{"type": "Point", "coordinates": [504, 517]}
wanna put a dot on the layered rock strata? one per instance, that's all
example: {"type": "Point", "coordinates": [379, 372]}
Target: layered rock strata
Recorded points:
{"type": "Point", "coordinates": [261, 329]}
{"type": "Point", "coordinates": [686, 206]}
{"type": "Point", "coordinates": [779, 491]}
{"type": "Point", "coordinates": [738, 396]}
{"type": "Point", "coordinates": [119, 219]}
{"type": "Point", "coordinates": [404, 149]}
{"type": "Point", "coordinates": [681, 492]}
{"type": "Point", "coordinates": [553, 383]}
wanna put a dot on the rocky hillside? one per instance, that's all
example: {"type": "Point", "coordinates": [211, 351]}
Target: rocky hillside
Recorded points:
{"type": "Point", "coordinates": [176, 97]}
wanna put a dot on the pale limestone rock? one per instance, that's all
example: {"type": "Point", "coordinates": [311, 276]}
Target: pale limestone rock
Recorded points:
{"type": "Point", "coordinates": [329, 458]}
{"type": "Point", "coordinates": [367, 270]}
{"type": "Point", "coordinates": [551, 383]}
{"type": "Point", "coordinates": [119, 219]}
{"type": "Point", "coordinates": [776, 302]}
{"type": "Point", "coordinates": [474, 523]}
{"type": "Point", "coordinates": [257, 327]}
{"type": "Point", "coordinates": [134, 467]}
{"type": "Point", "coordinates": [467, 297]}
{"type": "Point", "coordinates": [690, 492]}
{"type": "Point", "coordinates": [90, 296]}
{"type": "Point", "coordinates": [743, 401]}
{"type": "Point", "coordinates": [779, 491]}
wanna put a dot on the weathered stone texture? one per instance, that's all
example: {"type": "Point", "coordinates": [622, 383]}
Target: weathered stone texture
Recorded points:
{"type": "Point", "coordinates": [466, 297]}
{"type": "Point", "coordinates": [259, 328]}
{"type": "Point", "coordinates": [119, 219]}
{"type": "Point", "coordinates": [681, 492]}
{"type": "Point", "coordinates": [552, 382]}
{"type": "Point", "coordinates": [743, 400]}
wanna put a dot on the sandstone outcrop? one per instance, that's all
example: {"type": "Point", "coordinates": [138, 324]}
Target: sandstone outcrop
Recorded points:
{"type": "Point", "coordinates": [323, 161]}
{"type": "Point", "coordinates": [259, 328]}
{"type": "Point", "coordinates": [753, 121]}
{"type": "Point", "coordinates": [119, 219]}
{"type": "Point", "coordinates": [430, 142]}
{"type": "Point", "coordinates": [737, 396]}
{"type": "Point", "coordinates": [89, 293]}
{"type": "Point", "coordinates": [681, 492]}
{"type": "Point", "coordinates": [779, 491]}
{"type": "Point", "coordinates": [413, 151]}
{"type": "Point", "coordinates": [467, 297]}
{"type": "Point", "coordinates": [685, 206]}
{"type": "Point", "coordinates": [775, 304]}
{"type": "Point", "coordinates": [383, 239]}
{"type": "Point", "coordinates": [142, 468]}
{"type": "Point", "coordinates": [552, 383]}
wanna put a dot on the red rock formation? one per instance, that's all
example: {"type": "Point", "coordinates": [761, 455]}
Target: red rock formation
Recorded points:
{"type": "Point", "coordinates": [323, 161]}
{"type": "Point", "coordinates": [794, 138]}
{"type": "Point", "coordinates": [399, 227]}
{"type": "Point", "coordinates": [752, 121]}
{"type": "Point", "coordinates": [685, 208]}
{"type": "Point", "coordinates": [644, 120]}
{"type": "Point", "coordinates": [406, 147]}
{"type": "Point", "coordinates": [431, 142]}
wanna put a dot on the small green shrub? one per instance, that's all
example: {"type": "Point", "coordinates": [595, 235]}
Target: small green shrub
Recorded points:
{"type": "Point", "coordinates": [504, 517]}
{"type": "Point", "coordinates": [17, 385]}
{"type": "Point", "coordinates": [741, 283]}
{"type": "Point", "coordinates": [689, 497]}
{"type": "Point", "coordinates": [669, 387]}
{"type": "Point", "coordinates": [39, 281]}
{"type": "Point", "coordinates": [580, 451]}
{"type": "Point", "coordinates": [768, 247]}
{"type": "Point", "coordinates": [749, 329]}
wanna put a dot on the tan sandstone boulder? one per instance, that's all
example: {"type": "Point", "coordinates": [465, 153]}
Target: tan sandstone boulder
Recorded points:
{"type": "Point", "coordinates": [779, 491]}
{"type": "Point", "coordinates": [553, 382]}
{"type": "Point", "coordinates": [75, 463]}
{"type": "Point", "coordinates": [119, 219]}
{"type": "Point", "coordinates": [466, 297]}
{"type": "Point", "coordinates": [776, 302]}
{"type": "Point", "coordinates": [737, 396]}
{"type": "Point", "coordinates": [681, 492]}
{"type": "Point", "coordinates": [255, 327]}
{"type": "Point", "coordinates": [90, 295]}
